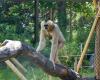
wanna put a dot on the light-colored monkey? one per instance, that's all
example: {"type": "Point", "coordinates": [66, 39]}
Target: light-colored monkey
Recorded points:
{"type": "Point", "coordinates": [50, 29]}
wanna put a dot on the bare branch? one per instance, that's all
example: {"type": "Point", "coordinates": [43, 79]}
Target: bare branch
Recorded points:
{"type": "Point", "coordinates": [16, 48]}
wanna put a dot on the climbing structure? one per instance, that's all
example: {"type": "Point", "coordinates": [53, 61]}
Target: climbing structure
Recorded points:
{"type": "Point", "coordinates": [95, 27]}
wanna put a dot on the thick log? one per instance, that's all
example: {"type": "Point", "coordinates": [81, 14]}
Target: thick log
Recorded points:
{"type": "Point", "coordinates": [15, 48]}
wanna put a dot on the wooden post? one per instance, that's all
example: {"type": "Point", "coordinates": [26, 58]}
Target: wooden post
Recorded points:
{"type": "Point", "coordinates": [15, 70]}
{"type": "Point", "coordinates": [81, 47]}
{"type": "Point", "coordinates": [19, 65]}
{"type": "Point", "coordinates": [88, 41]}
{"type": "Point", "coordinates": [75, 63]}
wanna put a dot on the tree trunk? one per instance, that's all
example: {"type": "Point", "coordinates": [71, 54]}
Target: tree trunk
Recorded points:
{"type": "Point", "coordinates": [49, 15]}
{"type": "Point", "coordinates": [97, 50]}
{"type": "Point", "coordinates": [97, 45]}
{"type": "Point", "coordinates": [70, 22]}
{"type": "Point", "coordinates": [36, 21]}
{"type": "Point", "coordinates": [15, 48]}
{"type": "Point", "coordinates": [61, 14]}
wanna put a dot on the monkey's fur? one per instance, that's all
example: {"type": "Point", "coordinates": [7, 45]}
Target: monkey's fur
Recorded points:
{"type": "Point", "coordinates": [51, 29]}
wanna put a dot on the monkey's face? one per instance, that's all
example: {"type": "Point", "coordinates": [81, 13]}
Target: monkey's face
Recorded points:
{"type": "Point", "coordinates": [49, 26]}
{"type": "Point", "coordinates": [46, 26]}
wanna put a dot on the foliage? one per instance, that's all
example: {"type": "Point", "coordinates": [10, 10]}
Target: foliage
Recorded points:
{"type": "Point", "coordinates": [17, 23]}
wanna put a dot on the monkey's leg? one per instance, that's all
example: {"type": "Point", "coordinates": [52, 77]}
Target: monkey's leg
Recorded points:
{"type": "Point", "coordinates": [54, 58]}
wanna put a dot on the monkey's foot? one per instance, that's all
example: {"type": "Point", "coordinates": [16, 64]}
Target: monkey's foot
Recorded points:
{"type": "Point", "coordinates": [53, 64]}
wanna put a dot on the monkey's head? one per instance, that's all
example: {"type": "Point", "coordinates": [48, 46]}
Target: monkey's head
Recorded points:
{"type": "Point", "coordinates": [49, 26]}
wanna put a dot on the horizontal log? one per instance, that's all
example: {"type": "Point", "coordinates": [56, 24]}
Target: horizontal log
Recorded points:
{"type": "Point", "coordinates": [13, 48]}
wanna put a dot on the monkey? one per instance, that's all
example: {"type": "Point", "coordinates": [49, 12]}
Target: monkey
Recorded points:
{"type": "Point", "coordinates": [51, 29]}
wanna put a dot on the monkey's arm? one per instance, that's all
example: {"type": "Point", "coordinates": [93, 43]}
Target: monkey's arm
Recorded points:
{"type": "Point", "coordinates": [42, 42]}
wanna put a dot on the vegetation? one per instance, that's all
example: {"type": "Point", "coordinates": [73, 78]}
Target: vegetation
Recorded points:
{"type": "Point", "coordinates": [18, 22]}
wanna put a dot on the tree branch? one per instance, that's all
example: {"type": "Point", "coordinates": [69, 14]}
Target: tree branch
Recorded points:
{"type": "Point", "coordinates": [15, 48]}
